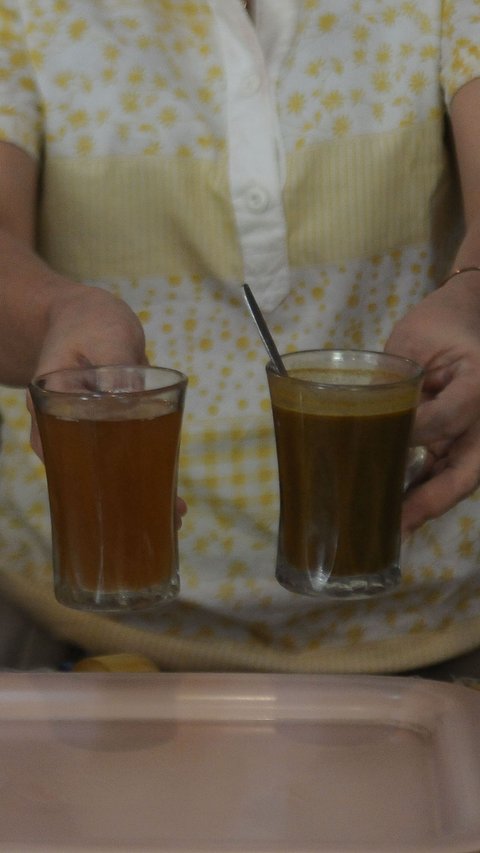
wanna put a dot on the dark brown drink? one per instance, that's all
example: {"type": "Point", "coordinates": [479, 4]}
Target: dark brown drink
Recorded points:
{"type": "Point", "coordinates": [342, 458]}
{"type": "Point", "coordinates": [354, 468]}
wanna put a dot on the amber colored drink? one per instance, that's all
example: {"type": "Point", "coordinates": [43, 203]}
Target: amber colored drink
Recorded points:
{"type": "Point", "coordinates": [342, 457]}
{"type": "Point", "coordinates": [110, 439]}
{"type": "Point", "coordinates": [112, 487]}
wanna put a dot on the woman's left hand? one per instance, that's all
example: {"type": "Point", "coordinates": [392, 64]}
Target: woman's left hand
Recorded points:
{"type": "Point", "coordinates": [442, 333]}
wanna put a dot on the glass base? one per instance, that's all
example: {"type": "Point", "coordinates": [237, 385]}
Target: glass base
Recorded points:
{"type": "Point", "coordinates": [350, 587]}
{"type": "Point", "coordinates": [120, 601]}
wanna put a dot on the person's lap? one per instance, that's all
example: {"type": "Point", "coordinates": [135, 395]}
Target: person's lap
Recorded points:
{"type": "Point", "coordinates": [25, 645]}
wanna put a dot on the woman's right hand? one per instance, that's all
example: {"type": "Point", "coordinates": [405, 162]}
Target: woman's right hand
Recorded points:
{"type": "Point", "coordinates": [87, 326]}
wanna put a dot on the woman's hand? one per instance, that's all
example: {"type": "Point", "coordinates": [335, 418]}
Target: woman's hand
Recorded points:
{"type": "Point", "coordinates": [88, 326]}
{"type": "Point", "coordinates": [442, 333]}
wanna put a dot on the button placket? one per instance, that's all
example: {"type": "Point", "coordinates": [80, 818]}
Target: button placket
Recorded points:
{"type": "Point", "coordinates": [256, 169]}
{"type": "Point", "coordinates": [257, 198]}
{"type": "Point", "coordinates": [251, 84]}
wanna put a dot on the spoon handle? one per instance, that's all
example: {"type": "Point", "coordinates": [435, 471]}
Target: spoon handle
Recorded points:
{"type": "Point", "coordinates": [264, 331]}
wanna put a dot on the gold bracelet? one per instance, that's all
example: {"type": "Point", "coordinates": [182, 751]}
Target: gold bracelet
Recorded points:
{"type": "Point", "coordinates": [459, 272]}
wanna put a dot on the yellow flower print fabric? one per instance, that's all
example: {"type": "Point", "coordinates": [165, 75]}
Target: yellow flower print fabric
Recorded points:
{"type": "Point", "coordinates": [144, 113]}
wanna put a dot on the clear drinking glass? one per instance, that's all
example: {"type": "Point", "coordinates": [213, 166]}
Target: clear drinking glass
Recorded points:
{"type": "Point", "coordinates": [343, 421]}
{"type": "Point", "coordinates": [110, 439]}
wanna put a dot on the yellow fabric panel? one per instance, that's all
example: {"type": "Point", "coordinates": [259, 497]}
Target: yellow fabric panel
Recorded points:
{"type": "Point", "coordinates": [351, 198]}
{"type": "Point", "coordinates": [341, 210]}
{"type": "Point", "coordinates": [122, 216]}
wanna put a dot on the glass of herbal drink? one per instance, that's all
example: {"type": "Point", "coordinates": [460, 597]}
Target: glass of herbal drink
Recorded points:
{"type": "Point", "coordinates": [343, 424]}
{"type": "Point", "coordinates": [110, 438]}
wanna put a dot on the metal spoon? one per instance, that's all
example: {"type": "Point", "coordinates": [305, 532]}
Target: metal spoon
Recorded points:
{"type": "Point", "coordinates": [264, 331]}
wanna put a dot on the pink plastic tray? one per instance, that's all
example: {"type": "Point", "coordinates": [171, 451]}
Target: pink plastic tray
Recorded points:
{"type": "Point", "coordinates": [243, 763]}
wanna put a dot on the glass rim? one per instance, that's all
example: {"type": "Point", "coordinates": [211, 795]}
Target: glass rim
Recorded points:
{"type": "Point", "coordinates": [416, 374]}
{"type": "Point", "coordinates": [87, 393]}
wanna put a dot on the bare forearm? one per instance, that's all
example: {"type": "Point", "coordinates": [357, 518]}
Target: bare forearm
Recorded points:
{"type": "Point", "coordinates": [48, 321]}
{"type": "Point", "coordinates": [28, 291]}
{"type": "Point", "coordinates": [466, 127]}
{"type": "Point", "coordinates": [469, 250]}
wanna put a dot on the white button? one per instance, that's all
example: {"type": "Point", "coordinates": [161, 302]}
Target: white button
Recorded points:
{"type": "Point", "coordinates": [257, 198]}
{"type": "Point", "coordinates": [250, 84]}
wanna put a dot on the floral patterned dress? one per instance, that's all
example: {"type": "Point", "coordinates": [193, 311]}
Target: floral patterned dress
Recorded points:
{"type": "Point", "coordinates": [186, 148]}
